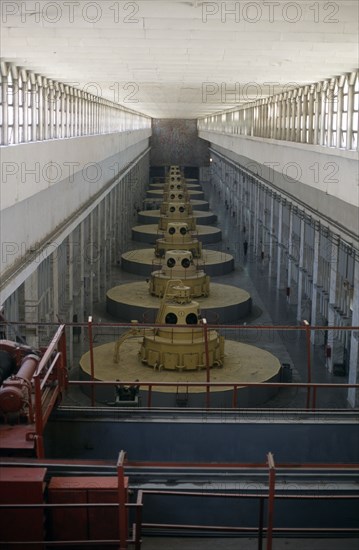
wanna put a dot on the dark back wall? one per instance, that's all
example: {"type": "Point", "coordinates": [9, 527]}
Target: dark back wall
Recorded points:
{"type": "Point", "coordinates": [176, 141]}
{"type": "Point", "coordinates": [204, 440]}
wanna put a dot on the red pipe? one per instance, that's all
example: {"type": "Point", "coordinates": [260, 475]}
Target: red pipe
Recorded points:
{"type": "Point", "coordinates": [12, 394]}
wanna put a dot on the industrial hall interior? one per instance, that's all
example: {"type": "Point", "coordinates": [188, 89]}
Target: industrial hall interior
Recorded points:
{"type": "Point", "coordinates": [179, 277]}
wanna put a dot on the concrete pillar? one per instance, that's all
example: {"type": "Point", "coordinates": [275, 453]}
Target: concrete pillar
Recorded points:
{"type": "Point", "coordinates": [303, 114]}
{"type": "Point", "coordinates": [99, 252]}
{"type": "Point", "coordinates": [300, 269]}
{"type": "Point", "coordinates": [15, 103]}
{"type": "Point", "coordinates": [250, 215]}
{"type": "Point", "coordinates": [33, 106]}
{"type": "Point", "coordinates": [311, 114]}
{"type": "Point", "coordinates": [45, 121]}
{"type": "Point", "coordinates": [55, 284]}
{"type": "Point", "coordinates": [278, 118]}
{"type": "Point", "coordinates": [81, 111]}
{"type": "Point", "coordinates": [261, 220]}
{"type": "Point", "coordinates": [31, 308]}
{"type": "Point", "coordinates": [62, 120]}
{"type": "Point", "coordinates": [271, 222]}
{"type": "Point", "coordinates": [40, 99]}
{"type": "Point", "coordinates": [116, 208]}
{"type": "Point", "coordinates": [339, 127]}
{"type": "Point", "coordinates": [350, 117]}
{"type": "Point", "coordinates": [82, 314]}
{"type": "Point", "coordinates": [290, 254]}
{"type": "Point", "coordinates": [292, 117]}
{"type": "Point", "coordinates": [70, 295]}
{"type": "Point", "coordinates": [4, 107]}
{"type": "Point", "coordinates": [279, 243]}
{"type": "Point", "coordinates": [103, 245]}
{"type": "Point", "coordinates": [68, 115]}
{"type": "Point", "coordinates": [322, 116]}
{"type": "Point", "coordinates": [25, 105]}
{"type": "Point", "coordinates": [256, 220]}
{"type": "Point", "coordinates": [316, 121]}
{"type": "Point", "coordinates": [330, 114]}
{"type": "Point", "coordinates": [90, 254]}
{"type": "Point", "coordinates": [313, 319]}
{"type": "Point", "coordinates": [241, 198]}
{"type": "Point", "coordinates": [353, 394]}
{"type": "Point", "coordinates": [51, 94]}
{"type": "Point", "coordinates": [123, 205]}
{"type": "Point", "coordinates": [334, 252]}
{"type": "Point", "coordinates": [71, 114]}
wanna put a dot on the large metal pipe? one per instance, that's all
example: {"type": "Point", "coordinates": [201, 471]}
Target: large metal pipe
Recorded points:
{"type": "Point", "coordinates": [16, 390]}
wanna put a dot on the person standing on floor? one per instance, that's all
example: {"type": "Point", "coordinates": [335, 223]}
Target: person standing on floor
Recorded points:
{"type": "Point", "coordinates": [245, 247]}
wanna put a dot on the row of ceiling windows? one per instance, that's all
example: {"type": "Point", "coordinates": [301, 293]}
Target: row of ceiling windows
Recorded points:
{"type": "Point", "coordinates": [34, 108]}
{"type": "Point", "coordinates": [326, 114]}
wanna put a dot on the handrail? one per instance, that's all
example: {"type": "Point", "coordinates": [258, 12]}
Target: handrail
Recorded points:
{"type": "Point", "coordinates": [234, 387]}
{"type": "Point", "coordinates": [43, 403]}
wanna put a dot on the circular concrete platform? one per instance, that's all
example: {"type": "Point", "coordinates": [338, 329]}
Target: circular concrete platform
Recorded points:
{"type": "Point", "coordinates": [153, 216]}
{"type": "Point", "coordinates": [143, 261]}
{"type": "Point", "coordinates": [242, 363]}
{"type": "Point", "coordinates": [225, 303]}
{"type": "Point", "coordinates": [150, 233]}
{"type": "Point", "coordinates": [158, 193]}
{"type": "Point", "coordinates": [195, 203]}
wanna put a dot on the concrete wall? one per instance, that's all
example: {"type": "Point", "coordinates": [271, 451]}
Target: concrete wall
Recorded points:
{"type": "Point", "coordinates": [323, 178]}
{"type": "Point", "coordinates": [175, 141]}
{"type": "Point", "coordinates": [44, 184]}
{"type": "Point", "coordinates": [204, 440]}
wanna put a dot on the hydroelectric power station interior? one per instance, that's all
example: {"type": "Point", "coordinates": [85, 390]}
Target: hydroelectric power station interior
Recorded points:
{"type": "Point", "coordinates": [179, 287]}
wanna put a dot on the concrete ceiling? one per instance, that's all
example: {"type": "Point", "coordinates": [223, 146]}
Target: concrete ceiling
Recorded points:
{"type": "Point", "coordinates": [182, 59]}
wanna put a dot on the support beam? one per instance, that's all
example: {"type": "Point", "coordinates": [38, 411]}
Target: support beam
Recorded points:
{"type": "Point", "coordinates": [300, 268]}
{"type": "Point", "coordinates": [353, 396]}
{"type": "Point", "coordinates": [333, 262]}
{"type": "Point", "coordinates": [313, 318]}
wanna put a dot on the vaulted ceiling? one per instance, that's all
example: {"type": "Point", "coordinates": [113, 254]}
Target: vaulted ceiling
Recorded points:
{"type": "Point", "coordinates": [182, 59]}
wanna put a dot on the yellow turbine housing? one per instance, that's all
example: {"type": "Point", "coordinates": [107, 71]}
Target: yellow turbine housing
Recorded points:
{"type": "Point", "coordinates": [178, 264]}
{"type": "Point", "coordinates": [177, 212]}
{"type": "Point", "coordinates": [178, 237]}
{"type": "Point", "coordinates": [181, 348]}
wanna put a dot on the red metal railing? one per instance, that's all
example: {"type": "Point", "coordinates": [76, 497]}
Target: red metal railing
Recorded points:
{"type": "Point", "coordinates": [50, 380]}
{"type": "Point", "coordinates": [311, 389]}
{"type": "Point", "coordinates": [265, 495]}
{"type": "Point", "coordinates": [270, 496]}
{"type": "Point", "coordinates": [149, 387]}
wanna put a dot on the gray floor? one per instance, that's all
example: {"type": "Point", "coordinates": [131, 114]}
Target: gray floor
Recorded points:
{"type": "Point", "coordinates": [156, 543]}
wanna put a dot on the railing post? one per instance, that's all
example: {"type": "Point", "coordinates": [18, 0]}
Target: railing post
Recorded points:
{"type": "Point", "coordinates": [235, 397]}
{"type": "Point", "coordinates": [314, 398]}
{"type": "Point", "coordinates": [62, 376]}
{"type": "Point", "coordinates": [92, 362]}
{"type": "Point", "coordinates": [138, 521]}
{"type": "Point", "coordinates": [39, 425]}
{"type": "Point", "coordinates": [271, 496]}
{"type": "Point", "coordinates": [208, 375]}
{"type": "Point", "coordinates": [260, 523]}
{"type": "Point", "coordinates": [122, 501]}
{"type": "Point", "coordinates": [149, 397]}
